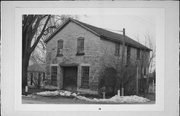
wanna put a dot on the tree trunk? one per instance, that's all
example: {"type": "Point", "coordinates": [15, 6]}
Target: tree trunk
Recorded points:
{"type": "Point", "coordinates": [25, 63]}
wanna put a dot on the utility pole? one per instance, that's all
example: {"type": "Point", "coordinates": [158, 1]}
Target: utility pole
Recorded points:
{"type": "Point", "coordinates": [122, 64]}
{"type": "Point", "coordinates": [121, 76]}
{"type": "Point", "coordinates": [137, 83]}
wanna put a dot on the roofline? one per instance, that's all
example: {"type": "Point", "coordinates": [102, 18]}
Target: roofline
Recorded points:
{"type": "Point", "coordinates": [64, 24]}
{"type": "Point", "coordinates": [127, 44]}
{"type": "Point", "coordinates": [85, 27]}
{"type": "Point", "coordinates": [54, 33]}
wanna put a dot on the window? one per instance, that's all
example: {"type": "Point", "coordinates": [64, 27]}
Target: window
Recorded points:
{"type": "Point", "coordinates": [128, 54]}
{"type": "Point", "coordinates": [117, 49]}
{"type": "Point", "coordinates": [80, 46]}
{"type": "Point", "coordinates": [138, 54]}
{"type": "Point", "coordinates": [54, 75]}
{"type": "Point", "coordinates": [85, 77]}
{"type": "Point", "coordinates": [60, 48]}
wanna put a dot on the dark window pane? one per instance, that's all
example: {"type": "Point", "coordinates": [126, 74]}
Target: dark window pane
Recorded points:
{"type": "Point", "coordinates": [128, 54]}
{"type": "Point", "coordinates": [60, 48]}
{"type": "Point", "coordinates": [80, 45]}
{"type": "Point", "coordinates": [54, 75]}
{"type": "Point", "coordinates": [117, 49]}
{"type": "Point", "coordinates": [85, 77]}
{"type": "Point", "coordinates": [138, 54]}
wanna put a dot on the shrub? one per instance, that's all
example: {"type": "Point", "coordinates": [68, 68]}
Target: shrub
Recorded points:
{"type": "Point", "coordinates": [108, 80]}
{"type": "Point", "coordinates": [130, 80]}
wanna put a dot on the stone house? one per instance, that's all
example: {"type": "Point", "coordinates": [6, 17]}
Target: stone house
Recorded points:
{"type": "Point", "coordinates": [77, 52]}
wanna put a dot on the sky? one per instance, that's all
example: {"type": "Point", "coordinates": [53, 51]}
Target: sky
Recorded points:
{"type": "Point", "coordinates": [136, 26]}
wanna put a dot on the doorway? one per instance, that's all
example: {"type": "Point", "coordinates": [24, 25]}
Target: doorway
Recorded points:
{"type": "Point", "coordinates": [70, 78]}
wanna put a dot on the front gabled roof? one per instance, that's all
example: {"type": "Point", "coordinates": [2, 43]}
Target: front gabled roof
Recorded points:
{"type": "Point", "coordinates": [105, 34]}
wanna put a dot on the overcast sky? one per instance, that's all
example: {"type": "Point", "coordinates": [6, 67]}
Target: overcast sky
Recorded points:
{"type": "Point", "coordinates": [136, 26]}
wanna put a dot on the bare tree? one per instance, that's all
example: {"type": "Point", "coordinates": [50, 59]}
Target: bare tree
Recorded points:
{"type": "Point", "coordinates": [35, 29]}
{"type": "Point", "coordinates": [39, 52]}
{"type": "Point", "coordinates": [151, 61]}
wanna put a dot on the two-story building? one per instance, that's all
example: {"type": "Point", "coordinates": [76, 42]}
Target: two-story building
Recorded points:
{"type": "Point", "coordinates": [76, 53]}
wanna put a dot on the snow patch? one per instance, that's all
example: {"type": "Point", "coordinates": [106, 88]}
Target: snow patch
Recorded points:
{"type": "Point", "coordinates": [48, 93]}
{"type": "Point", "coordinates": [57, 93]}
{"type": "Point", "coordinates": [129, 99]}
{"type": "Point", "coordinates": [114, 99]}
{"type": "Point", "coordinates": [117, 99]}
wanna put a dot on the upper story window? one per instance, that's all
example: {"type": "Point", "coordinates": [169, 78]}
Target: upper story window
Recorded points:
{"type": "Point", "coordinates": [117, 49]}
{"type": "Point", "coordinates": [128, 54]}
{"type": "Point", "coordinates": [138, 54]}
{"type": "Point", "coordinates": [60, 48]}
{"type": "Point", "coordinates": [80, 46]}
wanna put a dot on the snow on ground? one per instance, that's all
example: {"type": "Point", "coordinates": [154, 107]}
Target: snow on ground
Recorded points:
{"type": "Point", "coordinates": [114, 99]}
{"type": "Point", "coordinates": [48, 93]}
{"type": "Point", "coordinates": [57, 93]}
{"type": "Point", "coordinates": [118, 99]}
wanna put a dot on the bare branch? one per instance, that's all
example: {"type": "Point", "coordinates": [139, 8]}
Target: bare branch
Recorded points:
{"type": "Point", "coordinates": [39, 37]}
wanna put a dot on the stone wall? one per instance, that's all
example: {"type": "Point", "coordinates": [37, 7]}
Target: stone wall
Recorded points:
{"type": "Point", "coordinates": [98, 53]}
{"type": "Point", "coordinates": [69, 35]}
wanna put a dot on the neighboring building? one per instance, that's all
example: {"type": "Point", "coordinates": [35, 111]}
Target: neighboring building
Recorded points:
{"type": "Point", "coordinates": [77, 52]}
{"type": "Point", "coordinates": [36, 75]}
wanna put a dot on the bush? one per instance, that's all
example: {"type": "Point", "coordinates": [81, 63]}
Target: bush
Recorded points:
{"type": "Point", "coordinates": [130, 80]}
{"type": "Point", "coordinates": [108, 80]}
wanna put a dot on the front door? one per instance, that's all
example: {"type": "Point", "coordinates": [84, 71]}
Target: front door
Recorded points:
{"type": "Point", "coordinates": [70, 78]}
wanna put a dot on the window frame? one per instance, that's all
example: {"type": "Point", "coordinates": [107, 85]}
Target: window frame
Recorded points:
{"type": "Point", "coordinates": [117, 49]}
{"type": "Point", "coordinates": [138, 54]}
{"type": "Point", "coordinates": [80, 46]}
{"type": "Point", "coordinates": [54, 80]}
{"type": "Point", "coordinates": [85, 77]}
{"type": "Point", "coordinates": [128, 58]}
{"type": "Point", "coordinates": [60, 43]}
